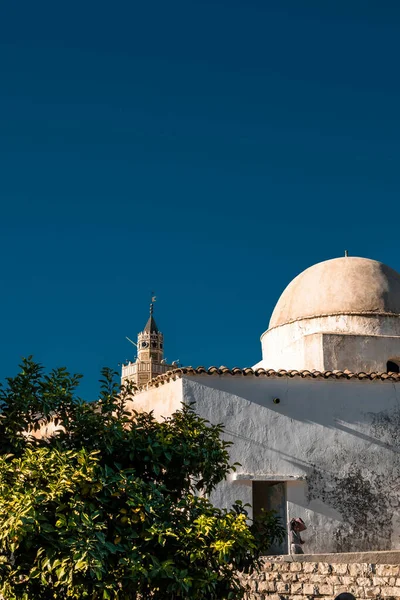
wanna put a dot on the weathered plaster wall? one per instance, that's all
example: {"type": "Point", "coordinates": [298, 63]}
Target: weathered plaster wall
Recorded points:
{"type": "Point", "coordinates": [162, 401]}
{"type": "Point", "coordinates": [353, 342]}
{"type": "Point", "coordinates": [325, 580]}
{"type": "Point", "coordinates": [341, 436]}
{"type": "Point", "coordinates": [360, 353]}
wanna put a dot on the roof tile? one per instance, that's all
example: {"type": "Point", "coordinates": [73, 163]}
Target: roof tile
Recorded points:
{"type": "Point", "coordinates": [269, 373]}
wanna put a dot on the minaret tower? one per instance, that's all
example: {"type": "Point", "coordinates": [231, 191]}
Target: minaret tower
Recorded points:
{"type": "Point", "coordinates": [150, 354]}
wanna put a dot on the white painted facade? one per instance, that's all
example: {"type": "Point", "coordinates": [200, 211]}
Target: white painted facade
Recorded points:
{"type": "Point", "coordinates": [356, 343]}
{"type": "Point", "coordinates": [335, 444]}
{"type": "Point", "coordinates": [332, 445]}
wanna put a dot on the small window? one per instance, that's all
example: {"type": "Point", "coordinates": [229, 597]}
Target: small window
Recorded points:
{"type": "Point", "coordinates": [392, 367]}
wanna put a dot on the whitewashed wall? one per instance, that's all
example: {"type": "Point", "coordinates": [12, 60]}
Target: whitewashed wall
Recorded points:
{"type": "Point", "coordinates": [343, 436]}
{"type": "Point", "coordinates": [163, 401]}
{"type": "Point", "coordinates": [357, 343]}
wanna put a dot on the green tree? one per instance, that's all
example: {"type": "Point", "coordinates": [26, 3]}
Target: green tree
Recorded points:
{"type": "Point", "coordinates": [113, 505]}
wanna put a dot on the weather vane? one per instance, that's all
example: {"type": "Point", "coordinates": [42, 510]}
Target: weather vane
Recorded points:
{"type": "Point", "coordinates": [153, 299]}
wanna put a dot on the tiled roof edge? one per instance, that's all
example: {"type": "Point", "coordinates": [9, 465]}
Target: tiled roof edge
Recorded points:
{"type": "Point", "coordinates": [260, 372]}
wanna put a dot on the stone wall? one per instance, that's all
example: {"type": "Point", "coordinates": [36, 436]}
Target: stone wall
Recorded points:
{"type": "Point", "coordinates": [287, 579]}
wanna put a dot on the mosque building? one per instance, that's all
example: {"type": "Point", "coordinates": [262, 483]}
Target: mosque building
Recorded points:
{"type": "Point", "coordinates": [315, 425]}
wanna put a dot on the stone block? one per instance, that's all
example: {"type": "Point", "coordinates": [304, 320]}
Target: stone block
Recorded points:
{"type": "Point", "coordinates": [310, 567]}
{"type": "Point", "coordinates": [316, 578]}
{"type": "Point", "coordinates": [338, 589]}
{"type": "Point", "coordinates": [358, 569]}
{"type": "Point", "coordinates": [340, 569]}
{"type": "Point", "coordinates": [363, 581]}
{"type": "Point", "coordinates": [326, 590]}
{"type": "Point", "coordinates": [310, 590]}
{"type": "Point", "coordinates": [253, 585]}
{"type": "Point", "coordinates": [333, 579]}
{"type": "Point", "coordinates": [390, 591]}
{"type": "Point", "coordinates": [295, 567]}
{"type": "Point", "coordinates": [380, 581]}
{"type": "Point", "coordinates": [296, 588]}
{"type": "Point", "coordinates": [282, 567]}
{"type": "Point", "coordinates": [289, 577]}
{"type": "Point", "coordinates": [266, 586]}
{"type": "Point", "coordinates": [324, 568]}
{"type": "Point", "coordinates": [262, 586]}
{"type": "Point", "coordinates": [354, 589]}
{"type": "Point", "coordinates": [387, 570]}
{"type": "Point", "coordinates": [282, 587]}
{"type": "Point", "coordinates": [372, 592]}
{"type": "Point", "coordinates": [348, 580]}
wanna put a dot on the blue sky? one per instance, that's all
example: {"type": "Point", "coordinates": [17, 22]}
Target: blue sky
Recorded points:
{"type": "Point", "coordinates": [209, 151]}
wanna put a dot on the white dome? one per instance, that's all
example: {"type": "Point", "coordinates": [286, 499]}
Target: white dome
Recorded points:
{"type": "Point", "coordinates": [342, 286]}
{"type": "Point", "coordinates": [339, 314]}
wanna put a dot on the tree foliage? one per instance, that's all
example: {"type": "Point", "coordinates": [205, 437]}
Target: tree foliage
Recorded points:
{"type": "Point", "coordinates": [113, 505]}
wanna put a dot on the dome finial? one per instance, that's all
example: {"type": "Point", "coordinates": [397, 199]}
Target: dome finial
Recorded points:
{"type": "Point", "coordinates": [346, 253]}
